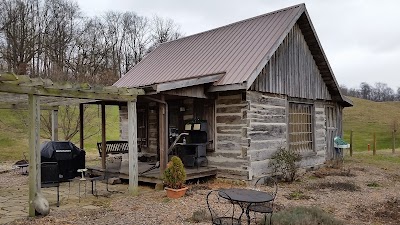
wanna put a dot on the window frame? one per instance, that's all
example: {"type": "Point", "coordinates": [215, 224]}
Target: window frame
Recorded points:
{"type": "Point", "coordinates": [311, 124]}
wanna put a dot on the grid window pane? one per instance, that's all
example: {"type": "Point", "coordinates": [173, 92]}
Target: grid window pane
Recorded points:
{"type": "Point", "coordinates": [300, 127]}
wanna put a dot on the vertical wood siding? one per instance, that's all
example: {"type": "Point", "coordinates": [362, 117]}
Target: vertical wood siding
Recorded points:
{"type": "Point", "coordinates": [292, 71]}
{"type": "Point", "coordinates": [152, 143]}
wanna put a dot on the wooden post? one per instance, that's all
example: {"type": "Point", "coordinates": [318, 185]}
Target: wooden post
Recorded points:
{"type": "Point", "coordinates": [351, 143]}
{"type": "Point", "coordinates": [162, 136]}
{"type": "Point", "coordinates": [374, 149]}
{"type": "Point", "coordinates": [81, 132]}
{"type": "Point", "coordinates": [393, 142]}
{"type": "Point", "coordinates": [103, 135]}
{"type": "Point", "coordinates": [54, 125]}
{"type": "Point", "coordinates": [133, 150]}
{"type": "Point", "coordinates": [34, 150]}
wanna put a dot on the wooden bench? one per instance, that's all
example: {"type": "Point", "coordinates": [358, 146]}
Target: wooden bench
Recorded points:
{"type": "Point", "coordinates": [114, 147]}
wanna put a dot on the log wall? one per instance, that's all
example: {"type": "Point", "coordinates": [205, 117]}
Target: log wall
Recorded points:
{"type": "Point", "coordinates": [292, 71]}
{"type": "Point", "coordinates": [231, 144]}
{"type": "Point", "coordinates": [266, 131]}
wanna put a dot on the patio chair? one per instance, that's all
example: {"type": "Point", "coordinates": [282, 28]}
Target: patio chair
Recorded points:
{"type": "Point", "coordinates": [50, 177]}
{"type": "Point", "coordinates": [107, 174]}
{"type": "Point", "coordinates": [221, 209]}
{"type": "Point", "coordinates": [267, 184]}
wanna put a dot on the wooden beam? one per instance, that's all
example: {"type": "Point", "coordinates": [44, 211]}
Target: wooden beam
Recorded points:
{"type": "Point", "coordinates": [133, 149]}
{"type": "Point", "coordinates": [8, 77]}
{"type": "Point", "coordinates": [103, 135]}
{"type": "Point", "coordinates": [69, 92]}
{"type": "Point", "coordinates": [228, 87]}
{"type": "Point", "coordinates": [54, 125]}
{"type": "Point", "coordinates": [81, 131]}
{"type": "Point", "coordinates": [24, 106]}
{"type": "Point", "coordinates": [34, 151]}
{"type": "Point", "coordinates": [162, 135]}
{"type": "Point", "coordinates": [188, 82]}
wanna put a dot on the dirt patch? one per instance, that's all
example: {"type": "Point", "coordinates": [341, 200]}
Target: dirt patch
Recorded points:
{"type": "Point", "coordinates": [361, 194]}
{"type": "Point", "coordinates": [297, 195]}
{"type": "Point", "coordinates": [336, 186]}
{"type": "Point", "coordinates": [324, 172]}
{"type": "Point", "coordinates": [389, 212]}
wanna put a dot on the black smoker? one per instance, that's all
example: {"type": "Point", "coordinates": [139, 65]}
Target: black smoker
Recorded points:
{"type": "Point", "coordinates": [194, 150]}
{"type": "Point", "coordinates": [68, 157]}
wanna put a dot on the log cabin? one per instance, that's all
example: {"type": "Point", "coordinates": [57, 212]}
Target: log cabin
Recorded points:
{"type": "Point", "coordinates": [257, 85]}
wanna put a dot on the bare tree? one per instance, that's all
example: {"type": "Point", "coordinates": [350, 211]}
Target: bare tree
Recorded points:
{"type": "Point", "coordinates": [69, 122]}
{"type": "Point", "coordinates": [18, 34]}
{"type": "Point", "coordinates": [52, 39]}
{"type": "Point", "coordinates": [163, 30]}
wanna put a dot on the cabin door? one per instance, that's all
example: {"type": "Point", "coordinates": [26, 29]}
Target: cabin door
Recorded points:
{"type": "Point", "coordinates": [331, 131]}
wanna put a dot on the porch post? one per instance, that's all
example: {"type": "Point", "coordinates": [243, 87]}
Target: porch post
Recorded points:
{"type": "Point", "coordinates": [54, 125]}
{"type": "Point", "coordinates": [162, 137]}
{"type": "Point", "coordinates": [81, 143]}
{"type": "Point", "coordinates": [103, 135]}
{"type": "Point", "coordinates": [34, 150]}
{"type": "Point", "coordinates": [133, 148]}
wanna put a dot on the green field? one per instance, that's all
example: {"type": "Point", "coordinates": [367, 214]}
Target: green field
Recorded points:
{"type": "Point", "coordinates": [14, 132]}
{"type": "Point", "coordinates": [366, 118]}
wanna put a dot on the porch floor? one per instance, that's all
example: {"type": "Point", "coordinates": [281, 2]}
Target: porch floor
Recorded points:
{"type": "Point", "coordinates": [153, 176]}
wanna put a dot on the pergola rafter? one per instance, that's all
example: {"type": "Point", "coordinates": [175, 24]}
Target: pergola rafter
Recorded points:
{"type": "Point", "coordinates": [33, 94]}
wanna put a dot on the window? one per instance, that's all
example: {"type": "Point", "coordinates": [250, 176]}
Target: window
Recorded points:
{"type": "Point", "coordinates": [300, 127]}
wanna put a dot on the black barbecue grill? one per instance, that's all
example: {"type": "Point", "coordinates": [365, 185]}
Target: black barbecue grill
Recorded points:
{"type": "Point", "coordinates": [68, 157]}
{"type": "Point", "coordinates": [194, 150]}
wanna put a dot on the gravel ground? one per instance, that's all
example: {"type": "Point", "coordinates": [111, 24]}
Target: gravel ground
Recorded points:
{"type": "Point", "coordinates": [359, 194]}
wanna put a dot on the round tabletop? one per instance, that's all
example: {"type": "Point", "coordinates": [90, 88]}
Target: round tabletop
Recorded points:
{"type": "Point", "coordinates": [245, 195]}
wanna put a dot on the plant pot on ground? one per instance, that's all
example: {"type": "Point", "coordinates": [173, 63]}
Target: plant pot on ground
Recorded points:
{"type": "Point", "coordinates": [174, 178]}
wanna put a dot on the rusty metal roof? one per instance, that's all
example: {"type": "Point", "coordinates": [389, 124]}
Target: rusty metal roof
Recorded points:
{"type": "Point", "coordinates": [235, 49]}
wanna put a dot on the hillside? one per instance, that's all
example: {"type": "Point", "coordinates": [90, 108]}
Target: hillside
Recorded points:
{"type": "Point", "coordinates": [14, 132]}
{"type": "Point", "coordinates": [367, 117]}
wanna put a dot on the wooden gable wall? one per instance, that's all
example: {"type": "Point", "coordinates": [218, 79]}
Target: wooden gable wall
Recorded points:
{"type": "Point", "coordinates": [292, 71]}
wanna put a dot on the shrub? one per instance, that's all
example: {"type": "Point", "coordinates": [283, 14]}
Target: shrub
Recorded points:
{"type": "Point", "coordinates": [297, 195]}
{"type": "Point", "coordinates": [304, 216]}
{"type": "Point", "coordinates": [286, 162]}
{"type": "Point", "coordinates": [175, 174]}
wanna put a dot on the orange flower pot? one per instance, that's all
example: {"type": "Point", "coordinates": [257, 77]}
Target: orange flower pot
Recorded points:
{"type": "Point", "coordinates": [175, 193]}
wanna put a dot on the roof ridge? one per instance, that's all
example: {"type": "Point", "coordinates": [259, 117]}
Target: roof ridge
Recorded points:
{"type": "Point", "coordinates": [238, 22]}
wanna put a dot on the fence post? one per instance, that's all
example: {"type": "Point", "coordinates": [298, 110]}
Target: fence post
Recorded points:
{"type": "Point", "coordinates": [374, 149]}
{"type": "Point", "coordinates": [393, 141]}
{"type": "Point", "coordinates": [351, 143]}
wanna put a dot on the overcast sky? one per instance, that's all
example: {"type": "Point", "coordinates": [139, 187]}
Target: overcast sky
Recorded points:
{"type": "Point", "coordinates": [361, 38]}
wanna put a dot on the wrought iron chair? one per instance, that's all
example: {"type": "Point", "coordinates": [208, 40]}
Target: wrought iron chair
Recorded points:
{"type": "Point", "coordinates": [221, 208]}
{"type": "Point", "coordinates": [267, 184]}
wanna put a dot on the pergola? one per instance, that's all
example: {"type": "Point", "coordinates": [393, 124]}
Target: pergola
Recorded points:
{"type": "Point", "coordinates": [33, 94]}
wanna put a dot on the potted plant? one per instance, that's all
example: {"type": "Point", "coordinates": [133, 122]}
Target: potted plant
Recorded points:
{"type": "Point", "coordinates": [174, 178]}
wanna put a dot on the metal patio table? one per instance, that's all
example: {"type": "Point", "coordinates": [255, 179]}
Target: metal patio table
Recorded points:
{"type": "Point", "coordinates": [244, 198]}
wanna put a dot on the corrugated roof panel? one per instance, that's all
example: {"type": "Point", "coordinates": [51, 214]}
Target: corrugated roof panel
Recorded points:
{"type": "Point", "coordinates": [235, 49]}
{"type": "Point", "coordinates": [256, 52]}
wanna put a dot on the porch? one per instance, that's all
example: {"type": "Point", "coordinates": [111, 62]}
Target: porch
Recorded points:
{"type": "Point", "coordinates": [153, 176]}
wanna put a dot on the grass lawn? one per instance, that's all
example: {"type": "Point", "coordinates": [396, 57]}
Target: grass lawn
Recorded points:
{"type": "Point", "coordinates": [383, 158]}
{"type": "Point", "coordinates": [14, 132]}
{"type": "Point", "coordinates": [367, 117]}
